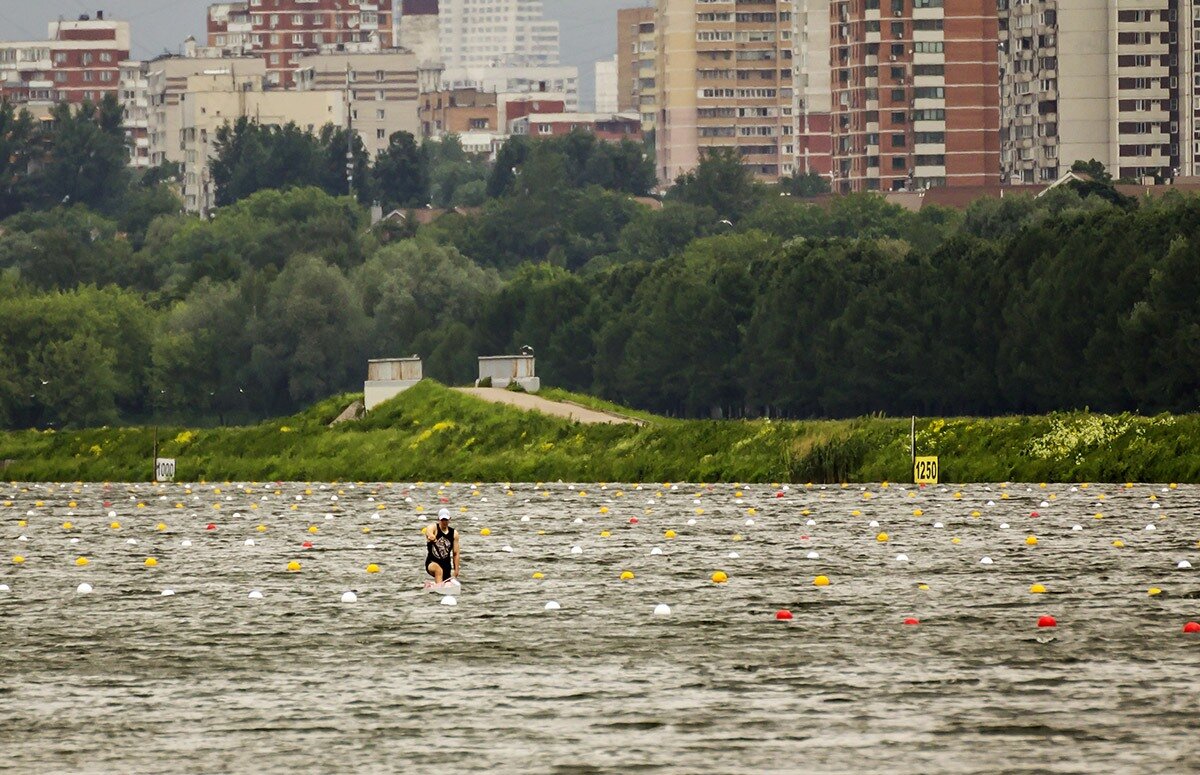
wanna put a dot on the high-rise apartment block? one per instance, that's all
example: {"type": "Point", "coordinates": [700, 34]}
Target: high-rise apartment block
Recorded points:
{"type": "Point", "coordinates": [725, 82]}
{"type": "Point", "coordinates": [490, 33]}
{"type": "Point", "coordinates": [284, 31]}
{"type": "Point", "coordinates": [637, 64]}
{"type": "Point", "coordinates": [914, 94]}
{"type": "Point", "coordinates": [79, 60]}
{"type": "Point", "coordinates": [1111, 80]}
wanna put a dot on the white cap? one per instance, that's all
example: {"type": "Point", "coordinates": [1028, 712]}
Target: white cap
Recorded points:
{"type": "Point", "coordinates": [444, 514]}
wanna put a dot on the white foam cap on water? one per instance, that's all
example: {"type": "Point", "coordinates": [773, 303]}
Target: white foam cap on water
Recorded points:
{"type": "Point", "coordinates": [349, 597]}
{"type": "Point", "coordinates": [448, 600]}
{"type": "Point", "coordinates": [662, 609]}
{"type": "Point", "coordinates": [552, 605]}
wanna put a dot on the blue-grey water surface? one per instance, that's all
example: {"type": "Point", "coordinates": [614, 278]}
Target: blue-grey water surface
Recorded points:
{"type": "Point", "coordinates": [126, 680]}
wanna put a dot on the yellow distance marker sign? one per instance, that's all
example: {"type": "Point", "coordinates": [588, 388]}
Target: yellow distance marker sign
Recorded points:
{"type": "Point", "coordinates": [925, 470]}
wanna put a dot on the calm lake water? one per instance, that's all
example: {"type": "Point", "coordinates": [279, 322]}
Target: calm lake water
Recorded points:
{"type": "Point", "coordinates": [126, 680]}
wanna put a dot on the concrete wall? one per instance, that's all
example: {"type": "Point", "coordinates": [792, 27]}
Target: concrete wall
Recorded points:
{"type": "Point", "coordinates": [389, 377]}
{"type": "Point", "coordinates": [503, 370]}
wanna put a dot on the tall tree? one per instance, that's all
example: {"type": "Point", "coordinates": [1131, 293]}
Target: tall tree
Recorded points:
{"type": "Point", "coordinates": [401, 173]}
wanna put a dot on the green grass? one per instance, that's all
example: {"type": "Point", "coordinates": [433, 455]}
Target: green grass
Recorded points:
{"type": "Point", "coordinates": [432, 433]}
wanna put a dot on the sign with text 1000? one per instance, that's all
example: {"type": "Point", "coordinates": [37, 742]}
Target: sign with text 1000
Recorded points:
{"type": "Point", "coordinates": [164, 469]}
{"type": "Point", "coordinates": [925, 470]}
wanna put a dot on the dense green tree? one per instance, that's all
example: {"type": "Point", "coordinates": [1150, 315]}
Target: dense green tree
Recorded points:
{"type": "Point", "coordinates": [401, 173]}
{"type": "Point", "coordinates": [722, 183]}
{"type": "Point", "coordinates": [86, 159]}
{"type": "Point", "coordinates": [17, 151]}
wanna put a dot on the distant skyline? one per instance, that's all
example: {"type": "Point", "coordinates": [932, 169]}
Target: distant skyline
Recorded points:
{"type": "Point", "coordinates": [589, 27]}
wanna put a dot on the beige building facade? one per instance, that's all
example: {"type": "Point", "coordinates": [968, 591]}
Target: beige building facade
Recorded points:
{"type": "Point", "coordinates": [1111, 80]}
{"type": "Point", "coordinates": [381, 90]}
{"type": "Point", "coordinates": [637, 64]}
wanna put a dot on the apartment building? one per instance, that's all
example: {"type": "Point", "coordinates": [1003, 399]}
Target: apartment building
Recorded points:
{"type": "Point", "coordinates": [517, 79]}
{"type": "Point", "coordinates": [210, 101]}
{"type": "Point", "coordinates": [134, 95]}
{"type": "Point", "coordinates": [636, 64]}
{"type": "Point", "coordinates": [611, 127]}
{"type": "Point", "coordinates": [1111, 80]}
{"type": "Point", "coordinates": [380, 88]}
{"type": "Point", "coordinates": [78, 61]}
{"type": "Point", "coordinates": [725, 81]}
{"type": "Point", "coordinates": [486, 33]}
{"type": "Point", "coordinates": [282, 32]}
{"type": "Point", "coordinates": [606, 85]}
{"type": "Point", "coordinates": [915, 94]}
{"type": "Point", "coordinates": [813, 91]}
{"type": "Point", "coordinates": [418, 29]}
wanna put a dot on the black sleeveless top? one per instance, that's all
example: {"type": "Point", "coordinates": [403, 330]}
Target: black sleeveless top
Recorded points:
{"type": "Point", "coordinates": [441, 549]}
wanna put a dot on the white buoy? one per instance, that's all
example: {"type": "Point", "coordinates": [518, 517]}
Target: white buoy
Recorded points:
{"type": "Point", "coordinates": [83, 589]}
{"type": "Point", "coordinates": [691, 522]}
{"type": "Point", "coordinates": [185, 543]}
{"type": "Point", "coordinates": [552, 606]}
{"type": "Point", "coordinates": [937, 524]}
{"type": "Point", "coordinates": [576, 550]}
{"type": "Point", "coordinates": [249, 542]}
{"type": "Point", "coordinates": [811, 523]}
{"type": "Point", "coordinates": [578, 521]}
{"type": "Point", "coordinates": [506, 548]}
{"type": "Point", "coordinates": [656, 551]}
{"type": "Point", "coordinates": [131, 541]}
{"type": "Point", "coordinates": [733, 555]}
{"type": "Point", "coordinates": [255, 594]}
{"type": "Point", "coordinates": [4, 588]}
{"type": "Point", "coordinates": [74, 540]}
{"type": "Point", "coordinates": [349, 597]}
{"type": "Point", "coordinates": [1004, 526]}
{"type": "Point", "coordinates": [902, 557]}
{"type": "Point", "coordinates": [814, 555]}
{"type": "Point", "coordinates": [168, 592]}
{"type": "Point", "coordinates": [749, 522]}
{"type": "Point", "coordinates": [1154, 505]}
{"type": "Point", "coordinates": [447, 600]}
{"type": "Point", "coordinates": [662, 609]}
{"type": "Point", "coordinates": [111, 514]}
{"type": "Point", "coordinates": [986, 561]}
{"type": "Point", "coordinates": [990, 503]}
{"type": "Point", "coordinates": [1183, 565]}
{"type": "Point", "coordinates": [872, 523]}
{"type": "Point", "coordinates": [525, 519]}
{"type": "Point", "coordinates": [1150, 527]}
{"type": "Point", "coordinates": [22, 538]}
{"type": "Point", "coordinates": [1044, 504]}
{"type": "Point", "coordinates": [1077, 527]}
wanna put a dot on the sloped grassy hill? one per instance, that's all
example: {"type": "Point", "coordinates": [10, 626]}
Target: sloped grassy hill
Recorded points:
{"type": "Point", "coordinates": [433, 433]}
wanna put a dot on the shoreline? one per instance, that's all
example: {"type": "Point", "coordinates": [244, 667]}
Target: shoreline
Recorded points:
{"type": "Point", "coordinates": [433, 433]}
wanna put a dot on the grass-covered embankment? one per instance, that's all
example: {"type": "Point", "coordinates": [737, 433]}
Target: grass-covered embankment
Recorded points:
{"type": "Point", "coordinates": [431, 432]}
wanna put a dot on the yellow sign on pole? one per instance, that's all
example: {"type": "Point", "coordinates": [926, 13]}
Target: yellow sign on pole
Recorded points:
{"type": "Point", "coordinates": [925, 470]}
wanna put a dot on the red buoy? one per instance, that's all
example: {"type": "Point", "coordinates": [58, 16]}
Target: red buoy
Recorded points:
{"type": "Point", "coordinates": [1191, 627]}
{"type": "Point", "coordinates": [803, 538]}
{"type": "Point", "coordinates": [779, 494]}
{"type": "Point", "coordinates": [1034, 514]}
{"type": "Point", "coordinates": [107, 504]}
{"type": "Point", "coordinates": [1047, 621]}
{"type": "Point", "coordinates": [306, 545]}
{"type": "Point", "coordinates": [912, 620]}
{"type": "Point", "coordinates": [633, 520]}
{"type": "Point", "coordinates": [783, 614]}
{"type": "Point", "coordinates": [210, 526]}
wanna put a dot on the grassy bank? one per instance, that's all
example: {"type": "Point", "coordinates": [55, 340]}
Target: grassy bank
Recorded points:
{"type": "Point", "coordinates": [434, 433]}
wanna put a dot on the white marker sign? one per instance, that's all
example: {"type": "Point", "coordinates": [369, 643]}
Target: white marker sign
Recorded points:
{"type": "Point", "coordinates": [164, 469]}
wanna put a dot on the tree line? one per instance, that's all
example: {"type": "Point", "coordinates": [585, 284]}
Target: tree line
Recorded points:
{"type": "Point", "coordinates": [728, 298]}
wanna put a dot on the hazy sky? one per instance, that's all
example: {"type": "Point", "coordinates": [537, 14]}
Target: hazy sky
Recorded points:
{"type": "Point", "coordinates": [589, 28]}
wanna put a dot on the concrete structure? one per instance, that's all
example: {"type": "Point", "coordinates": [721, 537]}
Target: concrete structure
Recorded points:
{"type": "Point", "coordinates": [513, 79]}
{"type": "Point", "coordinates": [167, 81]}
{"type": "Point", "coordinates": [503, 370]}
{"type": "Point", "coordinates": [813, 87]}
{"type": "Point", "coordinates": [389, 377]}
{"type": "Point", "coordinates": [612, 127]}
{"type": "Point", "coordinates": [209, 102]}
{"type": "Point", "coordinates": [493, 33]}
{"type": "Point", "coordinates": [915, 92]}
{"type": "Point", "coordinates": [282, 32]}
{"type": "Point", "coordinates": [637, 64]}
{"type": "Point", "coordinates": [606, 85]}
{"type": "Point", "coordinates": [381, 90]}
{"type": "Point", "coordinates": [1111, 80]}
{"type": "Point", "coordinates": [79, 61]}
{"type": "Point", "coordinates": [725, 81]}
{"type": "Point", "coordinates": [457, 111]}
{"type": "Point", "coordinates": [418, 29]}
{"type": "Point", "coordinates": [135, 105]}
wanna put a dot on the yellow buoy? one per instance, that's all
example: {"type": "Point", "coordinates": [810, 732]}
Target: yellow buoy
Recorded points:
{"type": "Point", "coordinates": [261, 528]}
{"type": "Point", "coordinates": [1037, 589]}
{"type": "Point", "coordinates": [372, 568]}
{"type": "Point", "coordinates": [882, 538]}
{"type": "Point", "coordinates": [821, 581]}
{"type": "Point", "coordinates": [669, 534]}
{"type": "Point", "coordinates": [115, 525]}
{"type": "Point", "coordinates": [485, 532]}
{"type": "Point", "coordinates": [161, 526]}
{"type": "Point", "coordinates": [81, 561]}
{"type": "Point", "coordinates": [923, 587]}
{"type": "Point", "coordinates": [1118, 543]}
{"type": "Point", "coordinates": [539, 575]}
{"type": "Point", "coordinates": [918, 513]}
{"type": "Point", "coordinates": [626, 575]}
{"type": "Point", "coordinates": [1031, 540]}
{"type": "Point", "coordinates": [605, 534]}
{"type": "Point", "coordinates": [151, 562]}
{"type": "Point", "coordinates": [737, 536]}
{"type": "Point", "coordinates": [956, 540]}
{"type": "Point", "coordinates": [68, 526]}
{"type": "Point", "coordinates": [720, 577]}
{"type": "Point", "coordinates": [293, 566]}
{"type": "Point", "coordinates": [18, 560]}
{"type": "Point", "coordinates": [312, 528]}
{"type": "Point", "coordinates": [1153, 591]}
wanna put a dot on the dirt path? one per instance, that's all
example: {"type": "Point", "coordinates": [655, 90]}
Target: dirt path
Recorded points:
{"type": "Point", "coordinates": [534, 403]}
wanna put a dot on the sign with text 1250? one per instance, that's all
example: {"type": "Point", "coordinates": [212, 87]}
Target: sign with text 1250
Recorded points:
{"type": "Point", "coordinates": [925, 470]}
{"type": "Point", "coordinates": [164, 469]}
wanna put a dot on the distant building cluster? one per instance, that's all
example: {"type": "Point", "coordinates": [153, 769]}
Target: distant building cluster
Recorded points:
{"type": "Point", "coordinates": [482, 69]}
{"type": "Point", "coordinates": [908, 95]}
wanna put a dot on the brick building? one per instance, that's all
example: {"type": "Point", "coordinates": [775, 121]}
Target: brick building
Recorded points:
{"type": "Point", "coordinates": [636, 64]}
{"type": "Point", "coordinates": [79, 60]}
{"type": "Point", "coordinates": [282, 32]}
